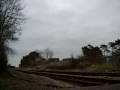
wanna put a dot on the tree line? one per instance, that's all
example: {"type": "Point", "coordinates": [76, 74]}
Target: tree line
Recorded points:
{"type": "Point", "coordinates": [109, 53]}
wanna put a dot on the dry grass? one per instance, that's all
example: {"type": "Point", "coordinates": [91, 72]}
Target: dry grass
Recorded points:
{"type": "Point", "coordinates": [87, 67]}
{"type": "Point", "coordinates": [104, 68]}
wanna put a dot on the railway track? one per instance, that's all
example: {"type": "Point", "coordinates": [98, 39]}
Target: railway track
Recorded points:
{"type": "Point", "coordinates": [80, 78]}
{"type": "Point", "coordinates": [84, 73]}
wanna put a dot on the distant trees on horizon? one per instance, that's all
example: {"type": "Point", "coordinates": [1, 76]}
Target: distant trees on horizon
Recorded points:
{"type": "Point", "coordinates": [102, 53]}
{"type": "Point", "coordinates": [37, 57]}
{"type": "Point", "coordinates": [91, 54]}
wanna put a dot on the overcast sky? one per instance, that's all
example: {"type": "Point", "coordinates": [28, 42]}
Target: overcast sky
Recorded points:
{"type": "Point", "coordinates": [66, 25]}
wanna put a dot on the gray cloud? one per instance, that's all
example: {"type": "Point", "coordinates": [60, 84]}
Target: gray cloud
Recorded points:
{"type": "Point", "coordinates": [66, 25]}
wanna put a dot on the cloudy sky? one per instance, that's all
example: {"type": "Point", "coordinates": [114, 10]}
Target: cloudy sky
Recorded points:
{"type": "Point", "coordinates": [66, 25]}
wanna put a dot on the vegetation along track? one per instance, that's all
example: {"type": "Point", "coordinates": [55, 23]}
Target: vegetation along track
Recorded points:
{"type": "Point", "coordinates": [80, 78]}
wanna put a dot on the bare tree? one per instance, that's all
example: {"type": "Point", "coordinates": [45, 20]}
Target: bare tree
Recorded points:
{"type": "Point", "coordinates": [48, 53]}
{"type": "Point", "coordinates": [11, 17]}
